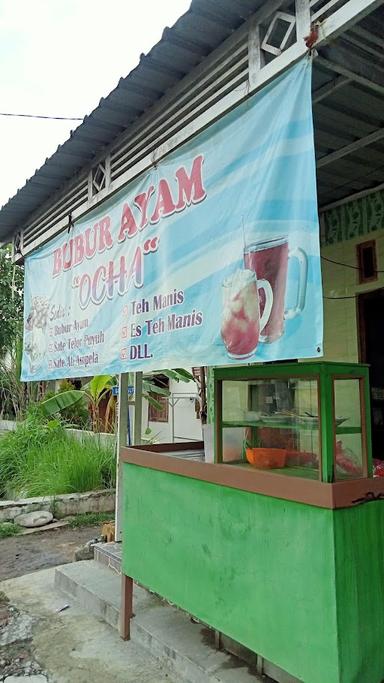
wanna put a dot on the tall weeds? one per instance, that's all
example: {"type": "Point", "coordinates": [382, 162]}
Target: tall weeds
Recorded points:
{"type": "Point", "coordinates": [39, 458]}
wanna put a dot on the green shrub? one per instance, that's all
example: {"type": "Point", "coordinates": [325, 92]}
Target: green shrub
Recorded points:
{"type": "Point", "coordinates": [8, 529]}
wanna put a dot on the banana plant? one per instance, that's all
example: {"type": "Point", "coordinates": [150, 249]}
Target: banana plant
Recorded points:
{"type": "Point", "coordinates": [100, 386]}
{"type": "Point", "coordinates": [93, 392]}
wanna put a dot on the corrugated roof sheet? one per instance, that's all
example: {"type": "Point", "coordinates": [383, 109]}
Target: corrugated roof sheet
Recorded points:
{"type": "Point", "coordinates": [346, 114]}
{"type": "Point", "coordinates": [195, 34]}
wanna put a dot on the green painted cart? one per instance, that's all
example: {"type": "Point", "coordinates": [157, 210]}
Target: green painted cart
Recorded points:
{"type": "Point", "coordinates": [278, 543]}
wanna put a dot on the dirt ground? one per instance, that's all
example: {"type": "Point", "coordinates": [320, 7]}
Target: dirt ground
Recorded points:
{"type": "Point", "coordinates": [24, 554]}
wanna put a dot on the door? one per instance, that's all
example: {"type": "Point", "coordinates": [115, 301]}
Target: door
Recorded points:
{"type": "Point", "coordinates": [371, 324]}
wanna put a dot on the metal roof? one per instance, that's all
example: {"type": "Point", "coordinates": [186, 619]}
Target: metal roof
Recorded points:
{"type": "Point", "coordinates": [348, 89]}
{"type": "Point", "coordinates": [348, 95]}
{"type": "Point", "coordinates": [194, 35]}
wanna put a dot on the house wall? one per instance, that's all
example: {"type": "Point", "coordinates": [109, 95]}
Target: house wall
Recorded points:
{"type": "Point", "coordinates": [186, 425]}
{"type": "Point", "coordinates": [343, 229]}
{"type": "Point", "coordinates": [340, 315]}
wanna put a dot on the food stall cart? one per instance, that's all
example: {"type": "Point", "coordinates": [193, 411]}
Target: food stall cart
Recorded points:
{"type": "Point", "coordinates": [278, 543]}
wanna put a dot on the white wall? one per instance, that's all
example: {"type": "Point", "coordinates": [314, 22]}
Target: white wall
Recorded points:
{"type": "Point", "coordinates": [186, 425]}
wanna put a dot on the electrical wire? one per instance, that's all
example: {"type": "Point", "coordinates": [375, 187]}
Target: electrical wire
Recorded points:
{"type": "Point", "coordinates": [76, 118]}
{"type": "Point", "coordinates": [338, 263]}
{"type": "Point", "coordinates": [40, 116]}
{"type": "Point", "coordinates": [346, 265]}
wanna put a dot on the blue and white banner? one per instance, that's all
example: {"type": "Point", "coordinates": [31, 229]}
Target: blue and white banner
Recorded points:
{"type": "Point", "coordinates": [210, 258]}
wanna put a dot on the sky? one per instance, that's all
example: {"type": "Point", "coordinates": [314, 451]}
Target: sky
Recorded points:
{"type": "Point", "coordinates": [58, 58]}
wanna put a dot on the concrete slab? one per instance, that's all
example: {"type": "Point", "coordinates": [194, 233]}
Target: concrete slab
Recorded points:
{"type": "Point", "coordinates": [163, 629]}
{"type": "Point", "coordinates": [39, 678]}
{"type": "Point", "coordinates": [74, 646]}
{"type": "Point", "coordinates": [108, 554]}
{"type": "Point", "coordinates": [45, 527]}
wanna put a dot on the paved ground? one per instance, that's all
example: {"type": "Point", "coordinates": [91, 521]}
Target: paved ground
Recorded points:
{"type": "Point", "coordinates": [22, 554]}
{"type": "Point", "coordinates": [39, 644]}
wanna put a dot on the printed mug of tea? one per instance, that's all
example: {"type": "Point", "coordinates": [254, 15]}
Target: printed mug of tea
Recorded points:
{"type": "Point", "coordinates": [241, 322]}
{"type": "Point", "coordinates": [268, 259]}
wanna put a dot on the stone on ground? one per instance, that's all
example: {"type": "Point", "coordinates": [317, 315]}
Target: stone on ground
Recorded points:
{"type": "Point", "coordinates": [87, 551]}
{"type": "Point", "coordinates": [34, 519]}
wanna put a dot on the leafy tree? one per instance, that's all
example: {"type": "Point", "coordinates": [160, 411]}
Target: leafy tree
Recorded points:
{"type": "Point", "coordinates": [11, 299]}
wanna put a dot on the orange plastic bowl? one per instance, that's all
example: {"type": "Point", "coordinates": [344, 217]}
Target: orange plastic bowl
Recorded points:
{"type": "Point", "coordinates": [266, 458]}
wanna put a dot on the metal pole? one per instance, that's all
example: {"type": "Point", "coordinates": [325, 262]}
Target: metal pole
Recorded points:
{"type": "Point", "coordinates": [173, 420]}
{"type": "Point", "coordinates": [122, 422]}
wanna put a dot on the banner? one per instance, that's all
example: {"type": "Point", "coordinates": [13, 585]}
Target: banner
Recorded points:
{"type": "Point", "coordinates": [210, 258]}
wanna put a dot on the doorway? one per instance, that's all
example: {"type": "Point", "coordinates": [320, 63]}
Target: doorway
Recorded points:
{"type": "Point", "coordinates": [371, 332]}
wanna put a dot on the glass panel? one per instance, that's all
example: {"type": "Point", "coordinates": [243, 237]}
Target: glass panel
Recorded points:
{"type": "Point", "coordinates": [349, 445]}
{"type": "Point", "coordinates": [272, 424]}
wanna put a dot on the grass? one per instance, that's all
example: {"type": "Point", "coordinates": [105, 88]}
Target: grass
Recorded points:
{"type": "Point", "coordinates": [33, 432]}
{"type": "Point", "coordinates": [8, 529]}
{"type": "Point", "coordinates": [40, 459]}
{"type": "Point", "coordinates": [91, 519]}
{"type": "Point", "coordinates": [65, 466]}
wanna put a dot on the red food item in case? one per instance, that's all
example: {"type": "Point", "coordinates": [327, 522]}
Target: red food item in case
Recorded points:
{"type": "Point", "coordinates": [345, 461]}
{"type": "Point", "coordinates": [378, 468]}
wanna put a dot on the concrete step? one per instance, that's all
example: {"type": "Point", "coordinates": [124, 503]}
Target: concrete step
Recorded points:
{"type": "Point", "coordinates": [108, 554]}
{"type": "Point", "coordinates": [164, 630]}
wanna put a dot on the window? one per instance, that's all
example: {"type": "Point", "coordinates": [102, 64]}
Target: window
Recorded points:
{"type": "Point", "coordinates": [366, 259]}
{"type": "Point", "coordinates": [99, 178]}
{"type": "Point", "coordinates": [159, 414]}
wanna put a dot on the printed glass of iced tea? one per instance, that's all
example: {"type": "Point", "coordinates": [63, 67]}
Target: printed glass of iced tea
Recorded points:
{"type": "Point", "coordinates": [241, 323]}
{"type": "Point", "coordinates": [269, 261]}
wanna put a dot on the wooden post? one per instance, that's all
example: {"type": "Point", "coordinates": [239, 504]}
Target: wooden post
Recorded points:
{"type": "Point", "coordinates": [137, 428]}
{"type": "Point", "coordinates": [122, 428]}
{"type": "Point", "coordinates": [126, 606]}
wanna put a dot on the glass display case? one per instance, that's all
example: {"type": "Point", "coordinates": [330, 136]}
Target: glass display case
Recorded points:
{"type": "Point", "coordinates": [307, 420]}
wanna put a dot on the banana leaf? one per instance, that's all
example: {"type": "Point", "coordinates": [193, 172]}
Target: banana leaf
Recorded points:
{"type": "Point", "coordinates": [61, 401]}
{"type": "Point", "coordinates": [98, 385]}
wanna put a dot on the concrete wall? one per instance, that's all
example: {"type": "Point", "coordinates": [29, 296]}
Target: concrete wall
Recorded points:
{"type": "Point", "coordinates": [340, 317]}
{"type": "Point", "coordinates": [7, 425]}
{"type": "Point", "coordinates": [65, 504]}
{"type": "Point", "coordinates": [103, 438]}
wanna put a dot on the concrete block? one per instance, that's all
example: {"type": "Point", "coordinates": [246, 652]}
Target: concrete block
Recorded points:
{"type": "Point", "coordinates": [161, 628]}
{"type": "Point", "coordinates": [94, 588]}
